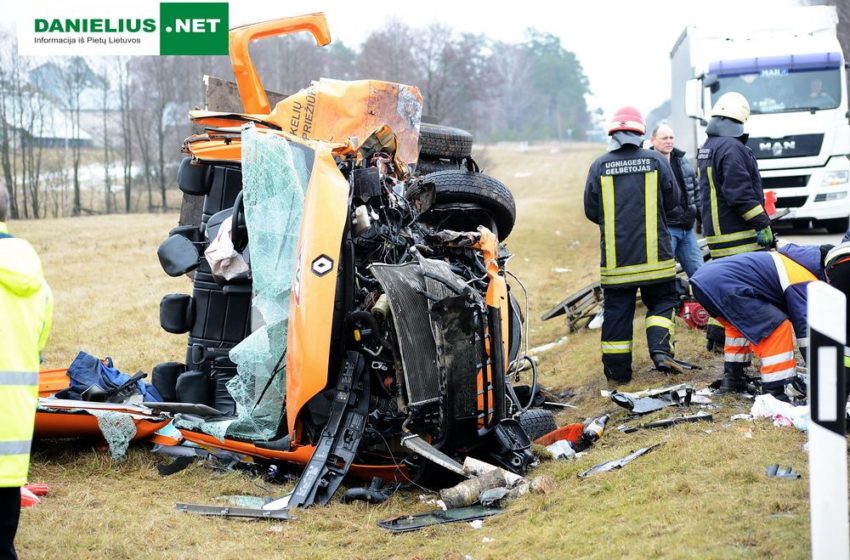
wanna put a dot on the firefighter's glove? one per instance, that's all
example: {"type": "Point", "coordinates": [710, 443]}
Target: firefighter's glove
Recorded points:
{"type": "Point", "coordinates": [764, 237]}
{"type": "Point", "coordinates": [715, 338]}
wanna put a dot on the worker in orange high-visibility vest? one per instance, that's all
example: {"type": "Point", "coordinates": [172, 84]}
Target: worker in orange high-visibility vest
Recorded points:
{"type": "Point", "coordinates": [760, 298]}
{"type": "Point", "coordinates": [26, 310]}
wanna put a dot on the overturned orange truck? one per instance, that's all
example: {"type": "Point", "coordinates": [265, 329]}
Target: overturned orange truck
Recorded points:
{"type": "Point", "coordinates": [348, 314]}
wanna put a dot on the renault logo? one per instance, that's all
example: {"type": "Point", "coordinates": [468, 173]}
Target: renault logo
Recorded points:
{"type": "Point", "coordinates": [322, 265]}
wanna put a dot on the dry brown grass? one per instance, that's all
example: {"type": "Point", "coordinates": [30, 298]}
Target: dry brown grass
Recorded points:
{"type": "Point", "coordinates": [703, 494]}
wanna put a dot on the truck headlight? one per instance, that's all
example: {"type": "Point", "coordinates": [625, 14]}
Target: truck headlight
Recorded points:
{"type": "Point", "coordinates": [832, 178]}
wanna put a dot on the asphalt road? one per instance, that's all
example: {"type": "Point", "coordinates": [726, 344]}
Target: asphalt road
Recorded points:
{"type": "Point", "coordinates": [807, 237]}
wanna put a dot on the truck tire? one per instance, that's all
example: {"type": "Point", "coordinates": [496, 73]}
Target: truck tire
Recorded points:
{"type": "Point", "coordinates": [461, 186]}
{"type": "Point", "coordinates": [537, 422]}
{"type": "Point", "coordinates": [440, 141]}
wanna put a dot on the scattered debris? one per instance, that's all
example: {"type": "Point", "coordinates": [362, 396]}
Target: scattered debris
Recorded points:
{"type": "Point", "coordinates": [579, 307]}
{"type": "Point", "coordinates": [244, 501]}
{"type": "Point", "coordinates": [546, 347]}
{"type": "Point", "coordinates": [660, 391]}
{"type": "Point", "coordinates": [28, 498]}
{"type": "Point", "coordinates": [38, 488]}
{"type": "Point", "coordinates": [543, 484]}
{"type": "Point", "coordinates": [594, 430]}
{"type": "Point", "coordinates": [741, 417]}
{"type": "Point", "coordinates": [477, 524]}
{"type": "Point", "coordinates": [405, 523]}
{"type": "Point", "coordinates": [570, 432]}
{"type": "Point", "coordinates": [650, 400]}
{"type": "Point", "coordinates": [561, 449]}
{"type": "Point", "coordinates": [643, 405]}
{"type": "Point", "coordinates": [372, 494]}
{"type": "Point", "coordinates": [774, 471]}
{"type": "Point", "coordinates": [616, 463]}
{"type": "Point", "coordinates": [493, 496]}
{"type": "Point", "coordinates": [596, 322]}
{"type": "Point", "coordinates": [487, 540]}
{"type": "Point", "coordinates": [467, 492]}
{"type": "Point", "coordinates": [425, 449]}
{"type": "Point", "coordinates": [782, 413]}
{"type": "Point", "coordinates": [224, 511]}
{"type": "Point", "coordinates": [667, 422]}
{"type": "Point", "coordinates": [476, 467]}
{"type": "Point", "coordinates": [426, 499]}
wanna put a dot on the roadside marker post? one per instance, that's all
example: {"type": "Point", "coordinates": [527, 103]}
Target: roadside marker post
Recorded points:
{"type": "Point", "coordinates": [827, 429]}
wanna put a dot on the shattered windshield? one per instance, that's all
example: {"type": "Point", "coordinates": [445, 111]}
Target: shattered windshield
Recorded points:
{"type": "Point", "coordinates": [780, 86]}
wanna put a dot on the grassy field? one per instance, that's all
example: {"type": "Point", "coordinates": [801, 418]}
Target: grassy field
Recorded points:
{"type": "Point", "coordinates": [702, 494]}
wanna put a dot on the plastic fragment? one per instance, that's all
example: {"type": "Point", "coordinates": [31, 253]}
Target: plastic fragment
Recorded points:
{"type": "Point", "coordinates": [775, 471]}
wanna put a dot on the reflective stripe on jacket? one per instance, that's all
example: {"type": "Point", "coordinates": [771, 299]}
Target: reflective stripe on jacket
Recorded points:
{"type": "Point", "coordinates": [629, 192]}
{"type": "Point", "coordinates": [26, 309]}
{"type": "Point", "coordinates": [757, 291]}
{"type": "Point", "coordinates": [732, 196]}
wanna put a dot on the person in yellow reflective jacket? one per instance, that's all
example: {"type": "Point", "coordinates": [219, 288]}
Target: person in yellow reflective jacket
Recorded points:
{"type": "Point", "coordinates": [26, 311]}
{"type": "Point", "coordinates": [629, 193]}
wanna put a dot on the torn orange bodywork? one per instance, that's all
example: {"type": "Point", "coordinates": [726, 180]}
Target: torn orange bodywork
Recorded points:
{"type": "Point", "coordinates": [254, 98]}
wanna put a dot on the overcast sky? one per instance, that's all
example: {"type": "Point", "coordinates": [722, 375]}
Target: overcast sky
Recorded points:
{"type": "Point", "coordinates": [623, 45]}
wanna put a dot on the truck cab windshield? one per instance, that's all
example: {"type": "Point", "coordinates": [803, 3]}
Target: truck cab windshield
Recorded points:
{"type": "Point", "coordinates": [782, 90]}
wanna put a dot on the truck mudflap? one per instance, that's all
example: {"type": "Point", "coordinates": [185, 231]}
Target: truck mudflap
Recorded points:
{"type": "Point", "coordinates": [340, 438]}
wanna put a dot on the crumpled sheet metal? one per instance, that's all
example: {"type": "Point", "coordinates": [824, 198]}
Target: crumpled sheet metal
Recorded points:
{"type": "Point", "coordinates": [616, 463]}
{"type": "Point", "coordinates": [643, 405]}
{"type": "Point", "coordinates": [337, 110]}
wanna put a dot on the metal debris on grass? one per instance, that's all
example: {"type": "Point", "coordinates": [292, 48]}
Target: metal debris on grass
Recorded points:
{"type": "Point", "coordinates": [405, 523]}
{"type": "Point", "coordinates": [775, 471]}
{"type": "Point", "coordinates": [616, 463]}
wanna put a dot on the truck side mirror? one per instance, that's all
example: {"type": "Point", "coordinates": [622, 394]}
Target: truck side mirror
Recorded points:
{"type": "Point", "coordinates": [693, 99]}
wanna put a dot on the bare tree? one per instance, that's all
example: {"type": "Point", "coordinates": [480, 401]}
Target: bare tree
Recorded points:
{"type": "Point", "coordinates": [124, 81]}
{"type": "Point", "coordinates": [514, 98]}
{"type": "Point", "coordinates": [77, 76]}
{"type": "Point", "coordinates": [387, 54]}
{"type": "Point", "coordinates": [33, 123]}
{"type": "Point", "coordinates": [106, 116]}
{"type": "Point", "coordinates": [10, 79]}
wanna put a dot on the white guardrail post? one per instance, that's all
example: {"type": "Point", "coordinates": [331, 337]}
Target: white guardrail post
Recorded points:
{"type": "Point", "coordinates": [827, 429]}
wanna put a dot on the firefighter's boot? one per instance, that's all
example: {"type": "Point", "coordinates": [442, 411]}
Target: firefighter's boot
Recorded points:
{"type": "Point", "coordinates": [734, 380]}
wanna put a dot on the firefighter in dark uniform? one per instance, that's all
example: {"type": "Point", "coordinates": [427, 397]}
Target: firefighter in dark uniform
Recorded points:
{"type": "Point", "coordinates": [734, 220]}
{"type": "Point", "coordinates": [628, 193]}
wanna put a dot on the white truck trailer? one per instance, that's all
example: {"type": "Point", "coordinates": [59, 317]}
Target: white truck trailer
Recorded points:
{"type": "Point", "coordinates": [789, 65]}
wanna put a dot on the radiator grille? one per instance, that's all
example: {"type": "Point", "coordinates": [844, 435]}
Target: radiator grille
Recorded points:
{"type": "Point", "coordinates": [791, 201]}
{"type": "Point", "coordinates": [404, 286]}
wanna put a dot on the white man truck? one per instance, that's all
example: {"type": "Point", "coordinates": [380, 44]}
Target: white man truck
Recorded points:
{"type": "Point", "coordinates": [789, 66]}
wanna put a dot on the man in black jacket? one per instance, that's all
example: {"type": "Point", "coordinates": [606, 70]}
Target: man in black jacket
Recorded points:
{"type": "Point", "coordinates": [629, 193]}
{"type": "Point", "coordinates": [733, 212]}
{"type": "Point", "coordinates": [680, 222]}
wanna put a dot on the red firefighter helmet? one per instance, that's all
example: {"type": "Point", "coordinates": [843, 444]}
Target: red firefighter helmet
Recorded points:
{"type": "Point", "coordinates": [627, 118]}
